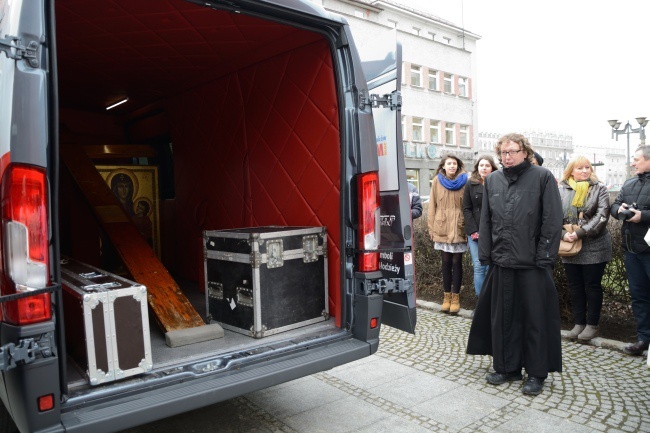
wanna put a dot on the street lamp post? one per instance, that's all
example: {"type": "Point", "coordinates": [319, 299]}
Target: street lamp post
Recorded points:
{"type": "Point", "coordinates": [627, 130]}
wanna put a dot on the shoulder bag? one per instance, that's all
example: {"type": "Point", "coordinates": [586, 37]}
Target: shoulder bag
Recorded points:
{"type": "Point", "coordinates": [569, 249]}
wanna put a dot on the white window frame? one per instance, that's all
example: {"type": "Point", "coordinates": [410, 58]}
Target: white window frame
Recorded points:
{"type": "Point", "coordinates": [450, 132]}
{"type": "Point", "coordinates": [416, 129]}
{"type": "Point", "coordinates": [413, 176]}
{"type": "Point", "coordinates": [464, 135]}
{"type": "Point", "coordinates": [416, 72]}
{"type": "Point", "coordinates": [434, 131]}
{"type": "Point", "coordinates": [463, 89]}
{"type": "Point", "coordinates": [433, 76]}
{"type": "Point", "coordinates": [448, 80]}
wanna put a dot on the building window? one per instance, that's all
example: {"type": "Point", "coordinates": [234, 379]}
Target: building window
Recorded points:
{"type": "Point", "coordinates": [432, 174]}
{"type": "Point", "coordinates": [434, 131]}
{"type": "Point", "coordinates": [433, 80]}
{"type": "Point", "coordinates": [417, 129]}
{"type": "Point", "coordinates": [448, 82]}
{"type": "Point", "coordinates": [447, 40]}
{"type": "Point", "coordinates": [449, 134]}
{"type": "Point", "coordinates": [462, 87]}
{"type": "Point", "coordinates": [416, 76]}
{"type": "Point", "coordinates": [412, 176]}
{"type": "Point", "coordinates": [464, 135]}
{"type": "Point", "coordinates": [403, 130]}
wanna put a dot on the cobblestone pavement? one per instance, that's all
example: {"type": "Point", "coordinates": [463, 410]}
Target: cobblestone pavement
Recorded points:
{"type": "Point", "coordinates": [426, 382]}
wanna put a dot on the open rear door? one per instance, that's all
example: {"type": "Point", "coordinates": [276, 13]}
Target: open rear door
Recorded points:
{"type": "Point", "coordinates": [382, 66]}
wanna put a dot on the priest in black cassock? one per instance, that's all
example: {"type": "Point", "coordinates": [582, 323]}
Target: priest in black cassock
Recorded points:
{"type": "Point", "coordinates": [517, 318]}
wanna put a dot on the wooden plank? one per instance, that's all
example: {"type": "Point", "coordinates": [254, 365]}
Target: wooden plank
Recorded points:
{"type": "Point", "coordinates": [104, 151]}
{"type": "Point", "coordinates": [171, 307]}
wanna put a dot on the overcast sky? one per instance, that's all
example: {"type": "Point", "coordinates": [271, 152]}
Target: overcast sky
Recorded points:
{"type": "Point", "coordinates": [557, 65]}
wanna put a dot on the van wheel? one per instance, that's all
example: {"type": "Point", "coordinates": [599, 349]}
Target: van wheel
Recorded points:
{"type": "Point", "coordinates": [6, 423]}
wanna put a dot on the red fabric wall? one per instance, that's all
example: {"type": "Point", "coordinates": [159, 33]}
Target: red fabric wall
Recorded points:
{"type": "Point", "coordinates": [258, 147]}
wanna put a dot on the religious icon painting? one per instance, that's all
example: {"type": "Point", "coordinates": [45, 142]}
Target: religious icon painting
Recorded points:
{"type": "Point", "coordinates": [136, 188]}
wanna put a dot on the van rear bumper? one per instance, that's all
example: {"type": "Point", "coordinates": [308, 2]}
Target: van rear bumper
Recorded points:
{"type": "Point", "coordinates": [147, 406]}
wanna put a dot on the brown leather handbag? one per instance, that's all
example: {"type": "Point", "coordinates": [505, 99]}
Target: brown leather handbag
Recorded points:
{"type": "Point", "coordinates": [568, 249]}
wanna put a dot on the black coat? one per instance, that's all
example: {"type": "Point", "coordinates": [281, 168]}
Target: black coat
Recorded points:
{"type": "Point", "coordinates": [635, 190]}
{"type": "Point", "coordinates": [416, 202]}
{"type": "Point", "coordinates": [521, 218]}
{"type": "Point", "coordinates": [472, 202]}
{"type": "Point", "coordinates": [517, 318]}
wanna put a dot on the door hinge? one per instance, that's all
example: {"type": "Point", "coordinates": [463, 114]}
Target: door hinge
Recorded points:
{"type": "Point", "coordinates": [14, 49]}
{"type": "Point", "coordinates": [389, 100]}
{"type": "Point", "coordinates": [12, 354]}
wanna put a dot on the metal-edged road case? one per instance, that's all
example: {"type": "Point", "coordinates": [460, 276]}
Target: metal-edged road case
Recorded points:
{"type": "Point", "coordinates": [265, 280]}
{"type": "Point", "coordinates": [106, 322]}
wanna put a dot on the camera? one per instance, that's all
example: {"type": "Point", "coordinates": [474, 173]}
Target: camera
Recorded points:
{"type": "Point", "coordinates": [626, 214]}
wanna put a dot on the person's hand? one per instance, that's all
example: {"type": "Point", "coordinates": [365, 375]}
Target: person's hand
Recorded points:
{"type": "Point", "coordinates": [474, 236]}
{"type": "Point", "coordinates": [637, 216]}
{"type": "Point", "coordinates": [570, 237]}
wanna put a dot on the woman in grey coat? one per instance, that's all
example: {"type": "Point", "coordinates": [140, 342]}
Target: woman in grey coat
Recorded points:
{"type": "Point", "coordinates": [582, 193]}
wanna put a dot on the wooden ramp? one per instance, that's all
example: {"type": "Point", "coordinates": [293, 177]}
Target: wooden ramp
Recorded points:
{"type": "Point", "coordinates": [172, 309]}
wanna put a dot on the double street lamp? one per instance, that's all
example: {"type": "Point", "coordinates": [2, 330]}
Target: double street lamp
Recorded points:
{"type": "Point", "coordinates": [627, 130]}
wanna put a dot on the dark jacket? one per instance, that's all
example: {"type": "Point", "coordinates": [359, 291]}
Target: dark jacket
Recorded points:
{"type": "Point", "coordinates": [521, 218]}
{"type": "Point", "coordinates": [635, 190]}
{"type": "Point", "coordinates": [416, 201]}
{"type": "Point", "coordinates": [472, 202]}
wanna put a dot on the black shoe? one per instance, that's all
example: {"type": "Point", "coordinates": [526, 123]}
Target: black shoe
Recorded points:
{"type": "Point", "coordinates": [533, 385]}
{"type": "Point", "coordinates": [499, 378]}
{"type": "Point", "coordinates": [637, 348]}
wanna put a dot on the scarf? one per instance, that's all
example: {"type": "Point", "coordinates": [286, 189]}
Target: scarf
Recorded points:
{"type": "Point", "coordinates": [581, 188]}
{"type": "Point", "coordinates": [453, 184]}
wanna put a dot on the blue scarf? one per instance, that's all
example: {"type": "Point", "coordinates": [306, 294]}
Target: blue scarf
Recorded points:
{"type": "Point", "coordinates": [455, 184]}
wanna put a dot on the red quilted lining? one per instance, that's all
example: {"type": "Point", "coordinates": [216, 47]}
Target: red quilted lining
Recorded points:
{"type": "Point", "coordinates": [254, 106]}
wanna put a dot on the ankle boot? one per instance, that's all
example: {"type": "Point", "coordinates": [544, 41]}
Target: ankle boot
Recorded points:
{"type": "Point", "coordinates": [446, 302]}
{"type": "Point", "coordinates": [455, 303]}
{"type": "Point", "coordinates": [588, 333]}
{"type": "Point", "coordinates": [575, 331]}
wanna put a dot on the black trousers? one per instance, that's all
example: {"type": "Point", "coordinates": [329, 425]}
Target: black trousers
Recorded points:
{"type": "Point", "coordinates": [586, 292]}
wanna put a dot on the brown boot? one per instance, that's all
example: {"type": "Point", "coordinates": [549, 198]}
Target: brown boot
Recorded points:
{"type": "Point", "coordinates": [455, 303]}
{"type": "Point", "coordinates": [446, 302]}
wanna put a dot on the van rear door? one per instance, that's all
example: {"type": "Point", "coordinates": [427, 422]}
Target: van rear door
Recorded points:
{"type": "Point", "coordinates": [382, 65]}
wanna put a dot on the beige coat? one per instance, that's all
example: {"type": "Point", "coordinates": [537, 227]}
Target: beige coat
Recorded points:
{"type": "Point", "coordinates": [445, 215]}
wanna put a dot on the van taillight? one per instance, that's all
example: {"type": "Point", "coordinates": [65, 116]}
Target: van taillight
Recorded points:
{"type": "Point", "coordinates": [24, 242]}
{"type": "Point", "coordinates": [369, 225]}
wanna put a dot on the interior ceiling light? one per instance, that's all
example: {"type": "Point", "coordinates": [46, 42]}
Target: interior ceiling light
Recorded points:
{"type": "Point", "coordinates": [117, 103]}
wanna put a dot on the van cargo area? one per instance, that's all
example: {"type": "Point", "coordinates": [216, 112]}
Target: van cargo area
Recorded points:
{"type": "Point", "coordinates": [230, 121]}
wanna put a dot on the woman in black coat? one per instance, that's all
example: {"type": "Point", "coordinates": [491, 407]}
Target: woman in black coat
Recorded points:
{"type": "Point", "coordinates": [472, 201]}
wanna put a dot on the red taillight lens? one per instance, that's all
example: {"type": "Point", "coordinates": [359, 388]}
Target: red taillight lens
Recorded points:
{"type": "Point", "coordinates": [45, 402]}
{"type": "Point", "coordinates": [25, 243]}
{"type": "Point", "coordinates": [369, 226]}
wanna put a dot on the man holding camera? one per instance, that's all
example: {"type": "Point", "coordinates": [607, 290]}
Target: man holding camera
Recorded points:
{"type": "Point", "coordinates": [632, 206]}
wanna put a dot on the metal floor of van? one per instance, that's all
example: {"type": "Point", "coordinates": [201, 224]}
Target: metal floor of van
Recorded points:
{"type": "Point", "coordinates": [164, 356]}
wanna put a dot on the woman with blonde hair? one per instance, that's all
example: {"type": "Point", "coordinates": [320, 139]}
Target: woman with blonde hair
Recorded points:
{"type": "Point", "coordinates": [585, 202]}
{"type": "Point", "coordinates": [445, 222]}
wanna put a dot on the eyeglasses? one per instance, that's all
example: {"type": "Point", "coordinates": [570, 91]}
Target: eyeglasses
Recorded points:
{"type": "Point", "coordinates": [510, 153]}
